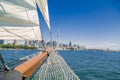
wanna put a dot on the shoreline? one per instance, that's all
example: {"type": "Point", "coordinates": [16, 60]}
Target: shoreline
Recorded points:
{"type": "Point", "coordinates": [17, 49]}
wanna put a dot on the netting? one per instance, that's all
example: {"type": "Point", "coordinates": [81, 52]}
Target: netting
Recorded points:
{"type": "Point", "coordinates": [54, 68]}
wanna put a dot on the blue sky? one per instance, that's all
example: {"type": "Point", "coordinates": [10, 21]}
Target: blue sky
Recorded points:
{"type": "Point", "coordinates": [93, 23]}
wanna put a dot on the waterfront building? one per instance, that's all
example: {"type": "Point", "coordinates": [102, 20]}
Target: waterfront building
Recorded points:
{"type": "Point", "coordinates": [27, 42]}
{"type": "Point", "coordinates": [82, 48]}
{"type": "Point", "coordinates": [34, 43]}
{"type": "Point", "coordinates": [15, 42]}
{"type": "Point", "coordinates": [1, 41]}
{"type": "Point", "coordinates": [70, 44]}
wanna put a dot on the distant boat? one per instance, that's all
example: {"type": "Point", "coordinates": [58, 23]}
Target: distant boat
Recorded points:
{"type": "Point", "coordinates": [19, 20]}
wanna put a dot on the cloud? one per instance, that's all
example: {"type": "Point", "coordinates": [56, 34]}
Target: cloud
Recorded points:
{"type": "Point", "coordinates": [103, 45]}
{"type": "Point", "coordinates": [110, 44]}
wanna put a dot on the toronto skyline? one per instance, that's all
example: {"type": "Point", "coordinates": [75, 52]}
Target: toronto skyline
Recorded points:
{"type": "Point", "coordinates": [93, 23]}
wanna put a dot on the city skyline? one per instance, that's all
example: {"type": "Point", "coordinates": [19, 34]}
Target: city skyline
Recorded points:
{"type": "Point", "coordinates": [93, 23]}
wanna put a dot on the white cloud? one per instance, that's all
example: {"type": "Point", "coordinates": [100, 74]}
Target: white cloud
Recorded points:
{"type": "Point", "coordinates": [103, 45]}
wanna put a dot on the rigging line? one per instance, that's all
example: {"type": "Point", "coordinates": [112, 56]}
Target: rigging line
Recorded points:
{"type": "Point", "coordinates": [38, 24]}
{"type": "Point", "coordinates": [13, 33]}
{"type": "Point", "coordinates": [6, 68]}
{"type": "Point", "coordinates": [58, 34]}
{"type": "Point", "coordinates": [42, 8]}
{"type": "Point", "coordinates": [2, 8]}
{"type": "Point", "coordinates": [5, 28]}
{"type": "Point", "coordinates": [39, 21]}
{"type": "Point", "coordinates": [43, 44]}
{"type": "Point", "coordinates": [32, 26]}
{"type": "Point", "coordinates": [43, 12]}
{"type": "Point", "coordinates": [51, 39]}
{"type": "Point", "coordinates": [14, 9]}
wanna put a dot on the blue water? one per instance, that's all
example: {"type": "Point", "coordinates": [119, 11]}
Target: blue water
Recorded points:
{"type": "Point", "coordinates": [94, 65]}
{"type": "Point", "coordinates": [88, 65]}
{"type": "Point", "coordinates": [16, 57]}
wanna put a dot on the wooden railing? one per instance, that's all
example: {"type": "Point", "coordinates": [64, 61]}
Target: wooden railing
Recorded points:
{"type": "Point", "coordinates": [29, 67]}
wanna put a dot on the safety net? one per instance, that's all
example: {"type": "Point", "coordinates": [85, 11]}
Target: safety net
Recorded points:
{"type": "Point", "coordinates": [55, 68]}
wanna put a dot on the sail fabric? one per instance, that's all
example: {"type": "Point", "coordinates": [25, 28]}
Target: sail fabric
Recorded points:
{"type": "Point", "coordinates": [20, 33]}
{"type": "Point", "coordinates": [43, 5]}
{"type": "Point", "coordinates": [19, 20]}
{"type": "Point", "coordinates": [55, 68]}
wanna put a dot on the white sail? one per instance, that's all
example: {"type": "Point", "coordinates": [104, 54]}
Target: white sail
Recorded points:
{"type": "Point", "coordinates": [43, 5]}
{"type": "Point", "coordinates": [31, 33]}
{"type": "Point", "coordinates": [19, 20]}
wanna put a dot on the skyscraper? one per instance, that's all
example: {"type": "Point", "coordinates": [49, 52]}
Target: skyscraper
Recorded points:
{"type": "Point", "coordinates": [15, 42]}
{"type": "Point", "coordinates": [70, 44]}
{"type": "Point", "coordinates": [26, 42]}
{"type": "Point", "coordinates": [1, 41]}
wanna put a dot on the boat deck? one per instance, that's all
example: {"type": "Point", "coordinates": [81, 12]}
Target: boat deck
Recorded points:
{"type": "Point", "coordinates": [10, 75]}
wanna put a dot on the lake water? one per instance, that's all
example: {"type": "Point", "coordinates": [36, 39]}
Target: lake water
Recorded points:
{"type": "Point", "coordinates": [94, 65]}
{"type": "Point", "coordinates": [16, 57]}
{"type": "Point", "coordinates": [88, 65]}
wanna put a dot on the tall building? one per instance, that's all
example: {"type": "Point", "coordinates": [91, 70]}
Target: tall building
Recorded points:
{"type": "Point", "coordinates": [33, 43]}
{"type": "Point", "coordinates": [1, 41]}
{"type": "Point", "coordinates": [15, 42]}
{"type": "Point", "coordinates": [70, 44]}
{"type": "Point", "coordinates": [54, 43]}
{"type": "Point", "coordinates": [27, 42]}
{"type": "Point", "coordinates": [82, 48]}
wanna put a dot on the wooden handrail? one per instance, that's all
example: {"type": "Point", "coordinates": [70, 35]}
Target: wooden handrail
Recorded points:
{"type": "Point", "coordinates": [29, 67]}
